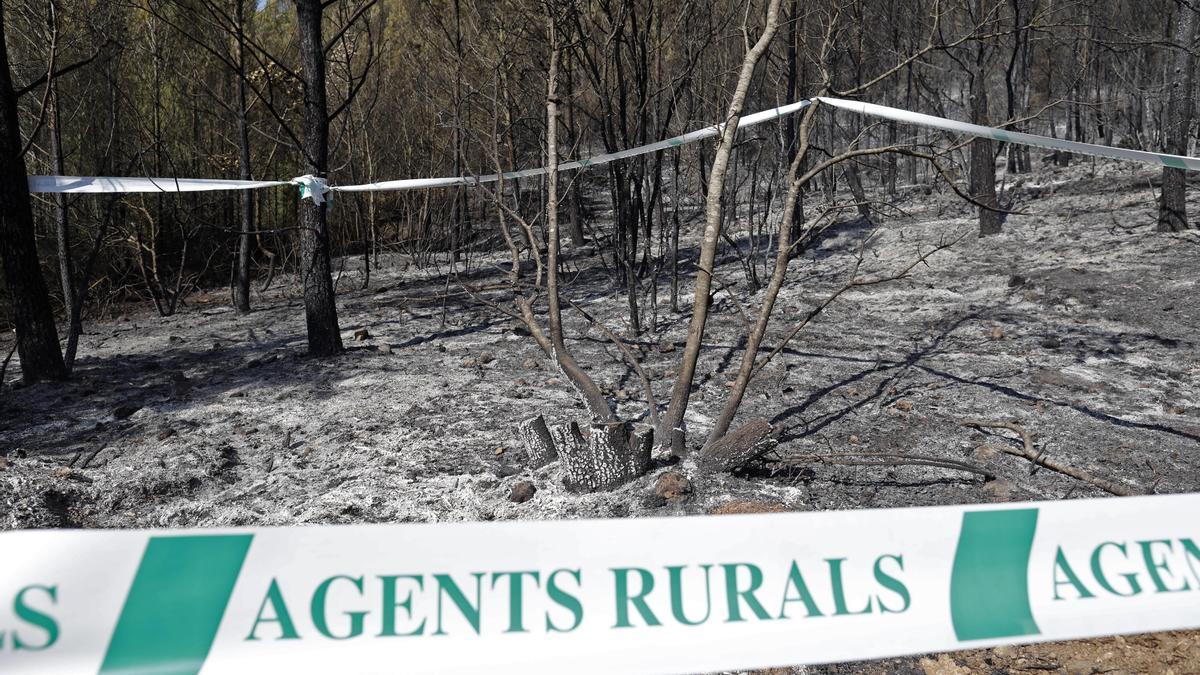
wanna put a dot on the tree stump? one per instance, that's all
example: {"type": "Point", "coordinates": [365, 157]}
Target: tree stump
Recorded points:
{"type": "Point", "coordinates": [641, 443]}
{"type": "Point", "coordinates": [734, 450]}
{"type": "Point", "coordinates": [601, 463]}
{"type": "Point", "coordinates": [539, 444]}
{"type": "Point", "coordinates": [608, 456]}
{"type": "Point", "coordinates": [567, 439]}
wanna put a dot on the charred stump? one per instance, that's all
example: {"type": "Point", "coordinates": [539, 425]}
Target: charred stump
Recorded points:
{"type": "Point", "coordinates": [610, 455]}
{"type": "Point", "coordinates": [539, 444]}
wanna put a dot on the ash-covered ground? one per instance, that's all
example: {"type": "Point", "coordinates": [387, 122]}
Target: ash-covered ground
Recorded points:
{"type": "Point", "coordinates": [1079, 322]}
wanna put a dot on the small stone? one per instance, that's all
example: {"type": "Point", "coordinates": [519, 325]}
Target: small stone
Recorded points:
{"type": "Point", "coordinates": [522, 491]}
{"type": "Point", "coordinates": [499, 451]}
{"type": "Point", "coordinates": [672, 485]}
{"type": "Point", "coordinates": [470, 363]}
{"type": "Point", "coordinates": [1000, 490]}
{"type": "Point", "coordinates": [124, 411]}
{"type": "Point", "coordinates": [63, 472]}
{"type": "Point", "coordinates": [362, 335]}
{"type": "Point", "coordinates": [552, 382]}
{"type": "Point", "coordinates": [942, 665]}
{"type": "Point", "coordinates": [985, 453]}
{"type": "Point", "coordinates": [506, 470]}
{"type": "Point", "coordinates": [854, 440]}
{"type": "Point", "coordinates": [486, 357]}
{"type": "Point", "coordinates": [905, 406]}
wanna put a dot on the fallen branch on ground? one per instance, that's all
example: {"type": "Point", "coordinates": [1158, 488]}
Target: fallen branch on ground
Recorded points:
{"type": "Point", "coordinates": [1030, 453]}
{"type": "Point", "coordinates": [885, 459]}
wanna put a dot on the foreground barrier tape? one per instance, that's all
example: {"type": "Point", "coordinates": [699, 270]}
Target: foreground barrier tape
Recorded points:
{"type": "Point", "coordinates": [654, 595]}
{"type": "Point", "coordinates": [315, 188]}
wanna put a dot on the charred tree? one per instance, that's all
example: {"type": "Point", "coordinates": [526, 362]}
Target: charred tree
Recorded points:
{"type": "Point", "coordinates": [983, 156]}
{"type": "Point", "coordinates": [320, 308]}
{"type": "Point", "coordinates": [37, 336]}
{"type": "Point", "coordinates": [670, 429]}
{"type": "Point", "coordinates": [241, 291]}
{"type": "Point", "coordinates": [1172, 212]}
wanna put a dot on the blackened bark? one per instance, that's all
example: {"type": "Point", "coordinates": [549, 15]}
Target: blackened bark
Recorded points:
{"type": "Point", "coordinates": [1172, 212]}
{"type": "Point", "coordinates": [241, 291]}
{"type": "Point", "coordinates": [539, 444]}
{"type": "Point", "coordinates": [320, 309]}
{"type": "Point", "coordinates": [37, 336]}
{"type": "Point", "coordinates": [983, 158]}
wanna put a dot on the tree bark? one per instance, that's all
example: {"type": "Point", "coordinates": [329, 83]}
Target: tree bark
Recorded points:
{"type": "Point", "coordinates": [783, 255]}
{"type": "Point", "coordinates": [735, 450]}
{"type": "Point", "coordinates": [681, 392]}
{"type": "Point", "coordinates": [37, 336]}
{"type": "Point", "coordinates": [241, 292]}
{"type": "Point", "coordinates": [1172, 213]}
{"type": "Point", "coordinates": [539, 444]}
{"type": "Point", "coordinates": [320, 308]}
{"type": "Point", "coordinates": [62, 234]}
{"type": "Point", "coordinates": [983, 158]}
{"type": "Point", "coordinates": [592, 397]}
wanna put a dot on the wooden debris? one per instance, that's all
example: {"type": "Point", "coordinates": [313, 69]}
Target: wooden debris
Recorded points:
{"type": "Point", "coordinates": [739, 447]}
{"type": "Point", "coordinates": [1030, 453]}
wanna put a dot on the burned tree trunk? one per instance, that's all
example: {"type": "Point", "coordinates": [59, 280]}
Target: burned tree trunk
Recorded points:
{"type": "Point", "coordinates": [241, 292]}
{"type": "Point", "coordinates": [983, 159]}
{"type": "Point", "coordinates": [1172, 212]}
{"type": "Point", "coordinates": [37, 336]}
{"type": "Point", "coordinates": [320, 309]}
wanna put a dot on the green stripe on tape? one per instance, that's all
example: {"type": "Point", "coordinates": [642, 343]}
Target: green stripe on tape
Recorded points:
{"type": "Point", "coordinates": [174, 608]}
{"type": "Point", "coordinates": [1173, 162]}
{"type": "Point", "coordinates": [989, 585]}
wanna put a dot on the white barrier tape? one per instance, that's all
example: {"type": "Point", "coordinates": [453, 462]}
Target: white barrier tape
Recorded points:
{"type": "Point", "coordinates": [73, 184]}
{"type": "Point", "coordinates": [583, 163]}
{"type": "Point", "coordinates": [98, 184]}
{"type": "Point", "coordinates": [920, 119]}
{"type": "Point", "coordinates": [656, 595]}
